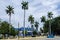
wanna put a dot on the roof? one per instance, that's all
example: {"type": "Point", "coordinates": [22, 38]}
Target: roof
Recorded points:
{"type": "Point", "coordinates": [22, 28]}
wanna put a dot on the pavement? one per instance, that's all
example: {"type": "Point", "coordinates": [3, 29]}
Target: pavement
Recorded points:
{"type": "Point", "coordinates": [35, 38]}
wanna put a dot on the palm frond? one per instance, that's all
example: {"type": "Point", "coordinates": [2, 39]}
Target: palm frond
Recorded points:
{"type": "Point", "coordinates": [24, 5]}
{"type": "Point", "coordinates": [43, 19]}
{"type": "Point", "coordinates": [50, 14]}
{"type": "Point", "coordinates": [9, 10]}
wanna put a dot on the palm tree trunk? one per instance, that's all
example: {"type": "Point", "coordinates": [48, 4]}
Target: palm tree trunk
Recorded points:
{"type": "Point", "coordinates": [50, 27]}
{"type": "Point", "coordinates": [24, 23]}
{"type": "Point", "coordinates": [32, 28]}
{"type": "Point", "coordinates": [36, 29]}
{"type": "Point", "coordinates": [9, 24]}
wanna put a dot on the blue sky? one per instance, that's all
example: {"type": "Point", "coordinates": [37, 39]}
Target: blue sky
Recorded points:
{"type": "Point", "coordinates": [37, 8]}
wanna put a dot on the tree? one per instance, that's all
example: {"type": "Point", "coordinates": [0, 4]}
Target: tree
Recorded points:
{"type": "Point", "coordinates": [50, 16]}
{"type": "Point", "coordinates": [55, 26]}
{"type": "Point", "coordinates": [4, 29]}
{"type": "Point", "coordinates": [34, 33]}
{"type": "Point", "coordinates": [13, 32]}
{"type": "Point", "coordinates": [43, 19]}
{"type": "Point", "coordinates": [9, 11]}
{"type": "Point", "coordinates": [36, 25]}
{"type": "Point", "coordinates": [24, 7]}
{"type": "Point", "coordinates": [31, 20]}
{"type": "Point", "coordinates": [46, 26]}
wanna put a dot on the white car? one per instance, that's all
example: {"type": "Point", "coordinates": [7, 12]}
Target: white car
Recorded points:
{"type": "Point", "coordinates": [1, 36]}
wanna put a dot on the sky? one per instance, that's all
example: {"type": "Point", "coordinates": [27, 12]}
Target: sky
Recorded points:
{"type": "Point", "coordinates": [37, 8]}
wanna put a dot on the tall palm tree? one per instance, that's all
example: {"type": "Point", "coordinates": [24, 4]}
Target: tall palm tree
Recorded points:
{"type": "Point", "coordinates": [9, 11]}
{"type": "Point", "coordinates": [43, 19]}
{"type": "Point", "coordinates": [24, 7]}
{"type": "Point", "coordinates": [50, 16]}
{"type": "Point", "coordinates": [36, 25]}
{"type": "Point", "coordinates": [31, 20]}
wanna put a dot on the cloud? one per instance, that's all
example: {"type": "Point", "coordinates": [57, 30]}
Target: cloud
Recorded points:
{"type": "Point", "coordinates": [37, 8]}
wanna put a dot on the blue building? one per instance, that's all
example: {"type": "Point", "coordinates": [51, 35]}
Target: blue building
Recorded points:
{"type": "Point", "coordinates": [29, 30]}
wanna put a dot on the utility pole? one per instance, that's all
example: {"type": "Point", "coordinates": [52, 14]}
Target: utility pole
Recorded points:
{"type": "Point", "coordinates": [18, 30]}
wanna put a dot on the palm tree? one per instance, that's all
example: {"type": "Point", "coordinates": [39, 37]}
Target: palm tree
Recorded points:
{"type": "Point", "coordinates": [31, 20]}
{"type": "Point", "coordinates": [9, 11]}
{"type": "Point", "coordinates": [43, 19]}
{"type": "Point", "coordinates": [24, 7]}
{"type": "Point", "coordinates": [36, 25]}
{"type": "Point", "coordinates": [50, 16]}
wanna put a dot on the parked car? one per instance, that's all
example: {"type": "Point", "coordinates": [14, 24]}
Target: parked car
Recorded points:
{"type": "Point", "coordinates": [11, 37]}
{"type": "Point", "coordinates": [1, 36]}
{"type": "Point", "coordinates": [6, 36]}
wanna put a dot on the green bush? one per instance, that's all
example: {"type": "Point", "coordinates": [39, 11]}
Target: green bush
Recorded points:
{"type": "Point", "coordinates": [34, 33]}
